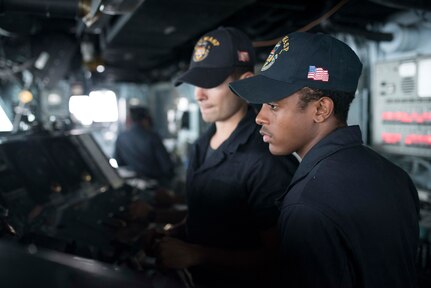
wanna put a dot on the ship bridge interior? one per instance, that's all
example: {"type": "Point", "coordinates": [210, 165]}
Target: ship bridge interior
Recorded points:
{"type": "Point", "coordinates": [70, 70]}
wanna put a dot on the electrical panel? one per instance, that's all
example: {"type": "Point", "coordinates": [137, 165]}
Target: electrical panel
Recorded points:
{"type": "Point", "coordinates": [401, 106]}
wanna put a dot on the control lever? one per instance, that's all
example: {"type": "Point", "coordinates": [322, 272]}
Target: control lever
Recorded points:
{"type": "Point", "coordinates": [5, 228]}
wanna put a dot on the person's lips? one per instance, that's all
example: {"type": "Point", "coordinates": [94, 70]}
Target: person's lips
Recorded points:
{"type": "Point", "coordinates": [205, 107]}
{"type": "Point", "coordinates": [266, 135]}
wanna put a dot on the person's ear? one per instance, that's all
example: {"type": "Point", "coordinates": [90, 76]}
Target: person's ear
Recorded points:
{"type": "Point", "coordinates": [324, 108]}
{"type": "Point", "coordinates": [247, 74]}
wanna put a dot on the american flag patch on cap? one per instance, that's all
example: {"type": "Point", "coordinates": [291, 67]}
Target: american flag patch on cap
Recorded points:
{"type": "Point", "coordinates": [317, 73]}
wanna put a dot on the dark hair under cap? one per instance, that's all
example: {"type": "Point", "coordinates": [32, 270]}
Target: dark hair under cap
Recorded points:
{"type": "Point", "coordinates": [138, 113]}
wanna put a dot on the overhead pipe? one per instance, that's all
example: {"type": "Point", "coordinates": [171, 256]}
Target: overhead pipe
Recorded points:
{"type": "Point", "coordinates": [402, 4]}
{"type": "Point", "coordinates": [118, 7]}
{"type": "Point", "coordinates": [48, 8]}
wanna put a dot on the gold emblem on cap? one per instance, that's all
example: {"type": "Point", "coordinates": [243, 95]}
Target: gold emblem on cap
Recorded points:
{"type": "Point", "coordinates": [275, 52]}
{"type": "Point", "coordinates": [203, 47]}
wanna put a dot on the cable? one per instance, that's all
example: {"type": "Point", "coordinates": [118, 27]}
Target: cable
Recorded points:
{"type": "Point", "coordinates": [307, 27]}
{"type": "Point", "coordinates": [186, 277]}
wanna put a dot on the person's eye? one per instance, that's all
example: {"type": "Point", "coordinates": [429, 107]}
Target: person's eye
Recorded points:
{"type": "Point", "coordinates": [272, 106]}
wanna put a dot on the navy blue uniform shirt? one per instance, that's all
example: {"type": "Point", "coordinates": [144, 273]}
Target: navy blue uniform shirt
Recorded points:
{"type": "Point", "coordinates": [231, 195]}
{"type": "Point", "coordinates": [142, 150]}
{"type": "Point", "coordinates": [349, 218]}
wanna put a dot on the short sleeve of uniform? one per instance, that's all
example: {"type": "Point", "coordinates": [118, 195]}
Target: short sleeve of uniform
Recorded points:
{"type": "Point", "coordinates": [315, 254]}
{"type": "Point", "coordinates": [269, 178]}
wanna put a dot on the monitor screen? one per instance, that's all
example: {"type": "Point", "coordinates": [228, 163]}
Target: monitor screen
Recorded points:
{"type": "Point", "coordinates": [100, 160]}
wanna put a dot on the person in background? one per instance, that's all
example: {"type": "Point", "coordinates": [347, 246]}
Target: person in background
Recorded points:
{"type": "Point", "coordinates": [141, 149]}
{"type": "Point", "coordinates": [349, 218]}
{"type": "Point", "coordinates": [229, 238]}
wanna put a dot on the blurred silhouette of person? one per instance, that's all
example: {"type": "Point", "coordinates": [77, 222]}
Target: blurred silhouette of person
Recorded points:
{"type": "Point", "coordinates": [141, 149]}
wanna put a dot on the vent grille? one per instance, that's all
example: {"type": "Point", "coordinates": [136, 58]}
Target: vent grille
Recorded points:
{"type": "Point", "coordinates": [408, 85]}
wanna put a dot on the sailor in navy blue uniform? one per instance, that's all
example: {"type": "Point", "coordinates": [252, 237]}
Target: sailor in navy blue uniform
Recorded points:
{"type": "Point", "coordinates": [349, 218]}
{"type": "Point", "coordinates": [141, 149]}
{"type": "Point", "coordinates": [233, 181]}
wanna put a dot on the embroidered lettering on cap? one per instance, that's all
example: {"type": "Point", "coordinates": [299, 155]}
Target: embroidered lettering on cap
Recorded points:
{"type": "Point", "coordinates": [212, 40]}
{"type": "Point", "coordinates": [275, 52]}
{"type": "Point", "coordinates": [203, 48]}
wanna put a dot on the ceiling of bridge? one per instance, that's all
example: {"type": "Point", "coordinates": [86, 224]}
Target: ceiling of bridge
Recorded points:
{"type": "Point", "coordinates": [153, 41]}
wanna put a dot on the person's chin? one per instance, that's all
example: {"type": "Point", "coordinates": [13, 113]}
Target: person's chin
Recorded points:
{"type": "Point", "coordinates": [274, 151]}
{"type": "Point", "coordinates": [209, 116]}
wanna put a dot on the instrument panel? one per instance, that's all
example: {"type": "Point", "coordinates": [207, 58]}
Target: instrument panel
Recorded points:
{"type": "Point", "coordinates": [401, 106]}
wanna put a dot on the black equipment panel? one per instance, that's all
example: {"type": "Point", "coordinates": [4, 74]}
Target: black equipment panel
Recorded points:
{"type": "Point", "coordinates": [60, 193]}
{"type": "Point", "coordinates": [32, 267]}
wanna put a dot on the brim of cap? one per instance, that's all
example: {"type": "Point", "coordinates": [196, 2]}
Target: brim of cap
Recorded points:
{"type": "Point", "coordinates": [205, 77]}
{"type": "Point", "coordinates": [261, 89]}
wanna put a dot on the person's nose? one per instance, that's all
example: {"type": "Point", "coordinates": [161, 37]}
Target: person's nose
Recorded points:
{"type": "Point", "coordinates": [200, 94]}
{"type": "Point", "coordinates": [261, 118]}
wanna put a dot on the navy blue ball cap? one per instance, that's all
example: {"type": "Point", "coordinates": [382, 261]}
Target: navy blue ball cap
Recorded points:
{"type": "Point", "coordinates": [215, 57]}
{"type": "Point", "coordinates": [299, 60]}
